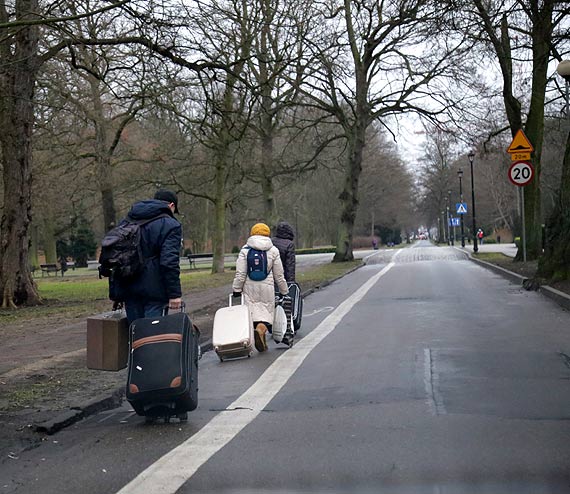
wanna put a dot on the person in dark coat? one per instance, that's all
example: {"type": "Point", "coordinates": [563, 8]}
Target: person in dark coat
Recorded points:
{"type": "Point", "coordinates": [283, 240]}
{"type": "Point", "coordinates": [158, 285]}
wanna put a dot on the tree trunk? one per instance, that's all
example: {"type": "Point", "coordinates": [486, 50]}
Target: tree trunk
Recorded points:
{"type": "Point", "coordinates": [534, 129]}
{"type": "Point", "coordinates": [555, 264]}
{"type": "Point", "coordinates": [219, 235]}
{"type": "Point", "coordinates": [33, 254]}
{"type": "Point", "coordinates": [18, 68]}
{"type": "Point", "coordinates": [270, 214]}
{"type": "Point", "coordinates": [109, 211]}
{"type": "Point", "coordinates": [356, 135]}
{"type": "Point", "coordinates": [268, 191]}
{"type": "Point", "coordinates": [349, 196]}
{"type": "Point", "coordinates": [103, 160]}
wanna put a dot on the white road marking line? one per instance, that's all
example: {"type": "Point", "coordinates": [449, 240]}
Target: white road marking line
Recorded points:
{"type": "Point", "coordinates": [431, 381]}
{"type": "Point", "coordinates": [318, 311]}
{"type": "Point", "coordinates": [176, 467]}
{"type": "Point", "coordinates": [428, 382]}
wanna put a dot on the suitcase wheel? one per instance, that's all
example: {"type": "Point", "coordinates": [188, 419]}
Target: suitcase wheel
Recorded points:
{"type": "Point", "coordinates": [183, 417]}
{"type": "Point", "coordinates": [149, 420]}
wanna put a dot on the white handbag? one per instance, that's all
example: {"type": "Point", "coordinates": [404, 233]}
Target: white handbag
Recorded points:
{"type": "Point", "coordinates": [279, 324]}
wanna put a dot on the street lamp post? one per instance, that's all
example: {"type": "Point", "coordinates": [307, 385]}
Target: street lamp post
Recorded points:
{"type": "Point", "coordinates": [471, 157]}
{"type": "Point", "coordinates": [449, 235]}
{"type": "Point", "coordinates": [460, 175]}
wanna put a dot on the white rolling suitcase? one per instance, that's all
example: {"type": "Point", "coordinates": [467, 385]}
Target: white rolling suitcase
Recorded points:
{"type": "Point", "coordinates": [232, 335]}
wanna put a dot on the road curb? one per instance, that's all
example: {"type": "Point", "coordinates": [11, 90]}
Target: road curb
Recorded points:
{"type": "Point", "coordinates": [557, 296]}
{"type": "Point", "coordinates": [514, 278]}
{"type": "Point", "coordinates": [553, 294]}
{"type": "Point", "coordinates": [76, 413]}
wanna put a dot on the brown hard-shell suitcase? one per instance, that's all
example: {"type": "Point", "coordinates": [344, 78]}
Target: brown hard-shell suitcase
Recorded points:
{"type": "Point", "coordinates": [107, 341]}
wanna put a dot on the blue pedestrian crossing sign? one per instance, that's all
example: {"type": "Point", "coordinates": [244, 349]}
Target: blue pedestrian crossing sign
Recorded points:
{"type": "Point", "coordinates": [461, 207]}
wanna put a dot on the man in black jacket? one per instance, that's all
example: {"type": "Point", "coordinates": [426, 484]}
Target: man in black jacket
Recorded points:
{"type": "Point", "coordinates": [158, 285]}
{"type": "Point", "coordinates": [283, 240]}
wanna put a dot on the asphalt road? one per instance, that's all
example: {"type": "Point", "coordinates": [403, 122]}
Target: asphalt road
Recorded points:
{"type": "Point", "coordinates": [421, 372]}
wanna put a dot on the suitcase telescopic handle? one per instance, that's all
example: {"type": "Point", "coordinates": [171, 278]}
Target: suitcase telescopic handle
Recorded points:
{"type": "Point", "coordinates": [230, 299]}
{"type": "Point", "coordinates": [182, 308]}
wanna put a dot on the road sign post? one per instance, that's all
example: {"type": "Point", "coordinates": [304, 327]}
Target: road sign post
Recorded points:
{"type": "Point", "coordinates": [521, 173]}
{"type": "Point", "coordinates": [523, 216]}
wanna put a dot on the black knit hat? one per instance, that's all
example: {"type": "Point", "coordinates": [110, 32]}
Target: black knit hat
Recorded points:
{"type": "Point", "coordinates": [168, 196]}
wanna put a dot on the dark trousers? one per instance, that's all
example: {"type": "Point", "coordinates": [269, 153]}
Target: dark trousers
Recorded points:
{"type": "Point", "coordinates": [137, 309]}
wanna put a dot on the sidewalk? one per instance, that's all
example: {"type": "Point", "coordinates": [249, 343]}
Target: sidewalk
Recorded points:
{"type": "Point", "coordinates": [506, 249]}
{"type": "Point", "coordinates": [520, 273]}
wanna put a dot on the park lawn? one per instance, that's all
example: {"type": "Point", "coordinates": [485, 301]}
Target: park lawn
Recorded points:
{"type": "Point", "coordinates": [77, 297]}
{"type": "Point", "coordinates": [325, 272]}
{"type": "Point", "coordinates": [69, 290]}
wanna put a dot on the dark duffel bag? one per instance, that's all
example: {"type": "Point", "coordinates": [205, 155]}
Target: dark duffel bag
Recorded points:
{"type": "Point", "coordinates": [163, 366]}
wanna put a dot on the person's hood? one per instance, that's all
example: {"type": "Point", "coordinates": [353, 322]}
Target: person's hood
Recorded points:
{"type": "Point", "coordinates": [259, 242]}
{"type": "Point", "coordinates": [284, 230]}
{"type": "Point", "coordinates": [150, 208]}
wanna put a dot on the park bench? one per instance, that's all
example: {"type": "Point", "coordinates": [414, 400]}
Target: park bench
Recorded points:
{"type": "Point", "coordinates": [49, 268]}
{"type": "Point", "coordinates": [92, 265]}
{"type": "Point", "coordinates": [197, 259]}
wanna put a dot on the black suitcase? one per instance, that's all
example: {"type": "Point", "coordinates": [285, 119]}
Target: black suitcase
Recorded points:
{"type": "Point", "coordinates": [162, 378]}
{"type": "Point", "coordinates": [297, 304]}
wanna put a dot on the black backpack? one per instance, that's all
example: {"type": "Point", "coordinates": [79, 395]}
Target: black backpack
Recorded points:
{"type": "Point", "coordinates": [121, 253]}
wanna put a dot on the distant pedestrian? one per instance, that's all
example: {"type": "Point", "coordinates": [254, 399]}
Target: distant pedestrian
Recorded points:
{"type": "Point", "coordinates": [62, 264]}
{"type": "Point", "coordinates": [155, 286]}
{"type": "Point", "coordinates": [480, 236]}
{"type": "Point", "coordinates": [284, 241]}
{"type": "Point", "coordinates": [258, 269]}
{"type": "Point", "coordinates": [375, 243]}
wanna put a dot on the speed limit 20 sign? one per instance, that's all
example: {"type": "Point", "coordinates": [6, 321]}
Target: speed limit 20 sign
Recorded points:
{"type": "Point", "coordinates": [521, 173]}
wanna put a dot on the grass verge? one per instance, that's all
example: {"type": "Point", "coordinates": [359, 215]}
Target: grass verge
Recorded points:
{"type": "Point", "coordinates": [325, 272]}
{"type": "Point", "coordinates": [527, 269]}
{"type": "Point", "coordinates": [492, 256]}
{"type": "Point", "coordinates": [77, 297]}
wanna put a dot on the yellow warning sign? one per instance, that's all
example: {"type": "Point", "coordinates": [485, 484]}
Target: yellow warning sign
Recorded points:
{"type": "Point", "coordinates": [520, 144]}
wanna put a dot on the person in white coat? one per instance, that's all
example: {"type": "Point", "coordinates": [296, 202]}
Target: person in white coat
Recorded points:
{"type": "Point", "coordinates": [259, 294]}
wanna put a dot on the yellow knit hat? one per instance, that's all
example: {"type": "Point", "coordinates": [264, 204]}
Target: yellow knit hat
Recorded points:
{"type": "Point", "coordinates": [260, 229]}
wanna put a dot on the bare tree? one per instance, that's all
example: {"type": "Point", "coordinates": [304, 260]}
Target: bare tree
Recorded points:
{"type": "Point", "coordinates": [20, 60]}
{"type": "Point", "coordinates": [534, 24]}
{"type": "Point", "coordinates": [382, 59]}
